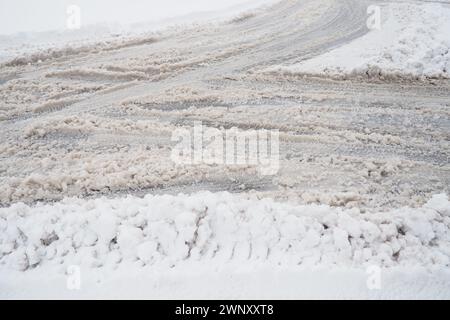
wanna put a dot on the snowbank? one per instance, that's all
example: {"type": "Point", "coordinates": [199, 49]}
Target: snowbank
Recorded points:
{"type": "Point", "coordinates": [413, 42]}
{"type": "Point", "coordinates": [217, 229]}
{"type": "Point", "coordinates": [222, 246]}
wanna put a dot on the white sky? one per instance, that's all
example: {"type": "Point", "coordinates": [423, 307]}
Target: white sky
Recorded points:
{"type": "Point", "coordinates": [43, 15]}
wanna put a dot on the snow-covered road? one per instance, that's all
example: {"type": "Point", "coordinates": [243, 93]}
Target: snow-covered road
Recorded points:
{"type": "Point", "coordinates": [222, 246]}
{"type": "Point", "coordinates": [97, 120]}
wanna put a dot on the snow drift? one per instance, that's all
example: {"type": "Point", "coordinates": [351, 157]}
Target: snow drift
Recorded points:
{"type": "Point", "coordinates": [412, 43]}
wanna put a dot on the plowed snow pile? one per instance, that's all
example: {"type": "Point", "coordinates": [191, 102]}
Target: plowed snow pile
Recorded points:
{"type": "Point", "coordinates": [220, 227]}
{"type": "Point", "coordinates": [413, 41]}
{"type": "Point", "coordinates": [220, 231]}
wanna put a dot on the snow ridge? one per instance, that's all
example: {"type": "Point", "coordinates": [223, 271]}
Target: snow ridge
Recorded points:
{"type": "Point", "coordinates": [220, 228]}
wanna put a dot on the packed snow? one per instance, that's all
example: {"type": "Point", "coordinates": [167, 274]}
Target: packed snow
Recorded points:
{"type": "Point", "coordinates": [231, 281]}
{"type": "Point", "coordinates": [413, 41]}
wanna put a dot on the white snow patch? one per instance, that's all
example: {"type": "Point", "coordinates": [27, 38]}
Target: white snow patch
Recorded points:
{"type": "Point", "coordinates": [222, 246]}
{"type": "Point", "coordinates": [220, 228]}
{"type": "Point", "coordinates": [413, 42]}
{"type": "Point", "coordinates": [232, 281]}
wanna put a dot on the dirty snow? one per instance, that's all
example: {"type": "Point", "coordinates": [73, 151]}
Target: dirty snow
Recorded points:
{"type": "Point", "coordinates": [413, 42]}
{"type": "Point", "coordinates": [42, 30]}
{"type": "Point", "coordinates": [364, 165]}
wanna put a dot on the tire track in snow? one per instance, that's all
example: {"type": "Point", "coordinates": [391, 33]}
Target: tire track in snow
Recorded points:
{"type": "Point", "coordinates": [385, 143]}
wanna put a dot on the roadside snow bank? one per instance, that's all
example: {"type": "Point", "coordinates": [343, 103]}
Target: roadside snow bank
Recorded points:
{"type": "Point", "coordinates": [413, 42]}
{"type": "Point", "coordinates": [216, 229]}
